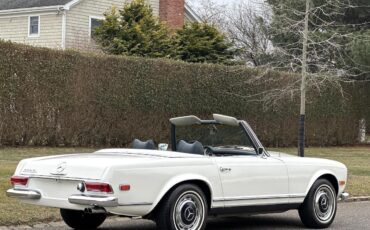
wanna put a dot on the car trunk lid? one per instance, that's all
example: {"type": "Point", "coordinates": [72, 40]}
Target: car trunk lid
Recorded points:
{"type": "Point", "coordinates": [91, 166]}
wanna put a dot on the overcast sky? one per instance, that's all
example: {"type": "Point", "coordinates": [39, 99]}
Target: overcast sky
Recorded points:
{"type": "Point", "coordinates": [229, 3]}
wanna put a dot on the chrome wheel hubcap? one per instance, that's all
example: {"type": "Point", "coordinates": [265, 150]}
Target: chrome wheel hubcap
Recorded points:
{"type": "Point", "coordinates": [324, 205]}
{"type": "Point", "coordinates": [189, 211]}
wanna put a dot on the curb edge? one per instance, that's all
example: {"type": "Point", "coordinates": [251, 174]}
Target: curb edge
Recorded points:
{"type": "Point", "coordinates": [357, 199]}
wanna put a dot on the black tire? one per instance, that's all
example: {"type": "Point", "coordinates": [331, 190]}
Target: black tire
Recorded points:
{"type": "Point", "coordinates": [185, 207]}
{"type": "Point", "coordinates": [320, 206]}
{"type": "Point", "coordinates": [81, 220]}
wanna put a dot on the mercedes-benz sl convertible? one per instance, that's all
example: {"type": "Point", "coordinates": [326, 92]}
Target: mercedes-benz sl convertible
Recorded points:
{"type": "Point", "coordinates": [215, 167]}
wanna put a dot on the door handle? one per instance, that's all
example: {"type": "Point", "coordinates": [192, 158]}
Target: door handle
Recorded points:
{"type": "Point", "coordinates": [225, 170]}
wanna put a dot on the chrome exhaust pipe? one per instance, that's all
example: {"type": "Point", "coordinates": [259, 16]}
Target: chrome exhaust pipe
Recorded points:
{"type": "Point", "coordinates": [344, 196]}
{"type": "Point", "coordinates": [95, 210]}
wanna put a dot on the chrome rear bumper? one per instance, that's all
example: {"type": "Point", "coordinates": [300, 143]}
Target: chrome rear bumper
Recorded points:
{"type": "Point", "coordinates": [100, 201]}
{"type": "Point", "coordinates": [23, 194]}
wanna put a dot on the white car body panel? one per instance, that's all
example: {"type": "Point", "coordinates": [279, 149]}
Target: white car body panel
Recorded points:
{"type": "Point", "coordinates": [253, 180]}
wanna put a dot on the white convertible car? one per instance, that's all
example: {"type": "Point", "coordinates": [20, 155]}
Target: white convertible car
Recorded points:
{"type": "Point", "coordinates": [215, 167]}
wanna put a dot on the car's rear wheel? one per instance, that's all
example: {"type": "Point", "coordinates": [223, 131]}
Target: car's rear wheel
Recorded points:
{"type": "Point", "coordinates": [81, 220]}
{"type": "Point", "coordinates": [320, 206]}
{"type": "Point", "coordinates": [185, 208]}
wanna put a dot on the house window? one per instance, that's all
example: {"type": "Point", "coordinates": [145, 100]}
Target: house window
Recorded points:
{"type": "Point", "coordinates": [95, 22]}
{"type": "Point", "coordinates": [34, 26]}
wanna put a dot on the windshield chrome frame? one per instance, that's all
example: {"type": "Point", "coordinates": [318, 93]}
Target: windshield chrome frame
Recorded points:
{"type": "Point", "coordinates": [252, 135]}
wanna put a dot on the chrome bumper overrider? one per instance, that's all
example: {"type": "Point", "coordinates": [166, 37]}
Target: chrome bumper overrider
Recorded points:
{"type": "Point", "coordinates": [23, 194]}
{"type": "Point", "coordinates": [344, 196]}
{"type": "Point", "coordinates": [94, 200]}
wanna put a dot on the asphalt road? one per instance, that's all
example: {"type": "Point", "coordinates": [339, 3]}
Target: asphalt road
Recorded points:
{"type": "Point", "coordinates": [349, 216]}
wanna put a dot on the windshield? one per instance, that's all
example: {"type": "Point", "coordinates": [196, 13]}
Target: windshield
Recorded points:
{"type": "Point", "coordinates": [216, 135]}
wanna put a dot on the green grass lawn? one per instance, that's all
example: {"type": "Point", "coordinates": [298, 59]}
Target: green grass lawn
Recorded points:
{"type": "Point", "coordinates": [12, 212]}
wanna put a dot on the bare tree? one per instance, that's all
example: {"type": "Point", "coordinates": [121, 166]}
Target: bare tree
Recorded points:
{"type": "Point", "coordinates": [309, 37]}
{"type": "Point", "coordinates": [245, 24]}
{"type": "Point", "coordinates": [247, 27]}
{"type": "Point", "coordinates": [313, 39]}
{"type": "Point", "coordinates": [210, 11]}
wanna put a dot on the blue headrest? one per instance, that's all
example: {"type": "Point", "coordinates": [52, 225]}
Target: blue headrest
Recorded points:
{"type": "Point", "coordinates": [193, 148]}
{"type": "Point", "coordinates": [149, 144]}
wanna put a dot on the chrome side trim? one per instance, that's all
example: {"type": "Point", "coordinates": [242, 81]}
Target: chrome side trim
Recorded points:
{"type": "Point", "coordinates": [101, 201]}
{"type": "Point", "coordinates": [254, 209]}
{"type": "Point", "coordinates": [297, 196]}
{"type": "Point", "coordinates": [23, 194]}
{"type": "Point", "coordinates": [137, 204]}
{"type": "Point", "coordinates": [258, 197]}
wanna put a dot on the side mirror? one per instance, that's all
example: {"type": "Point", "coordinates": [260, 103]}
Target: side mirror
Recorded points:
{"type": "Point", "coordinates": [261, 150]}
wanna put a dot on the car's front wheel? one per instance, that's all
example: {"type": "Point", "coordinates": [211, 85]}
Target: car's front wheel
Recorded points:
{"type": "Point", "coordinates": [81, 220]}
{"type": "Point", "coordinates": [320, 205]}
{"type": "Point", "coordinates": [185, 208]}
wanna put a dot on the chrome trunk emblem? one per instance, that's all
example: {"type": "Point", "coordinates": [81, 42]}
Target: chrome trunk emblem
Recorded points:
{"type": "Point", "coordinates": [60, 170]}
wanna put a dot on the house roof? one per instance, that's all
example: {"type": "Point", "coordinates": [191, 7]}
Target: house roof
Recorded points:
{"type": "Point", "coordinates": [9, 6]}
{"type": "Point", "coordinates": [20, 4]}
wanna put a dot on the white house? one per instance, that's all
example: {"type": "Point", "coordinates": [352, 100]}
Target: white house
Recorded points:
{"type": "Point", "coordinates": [67, 24]}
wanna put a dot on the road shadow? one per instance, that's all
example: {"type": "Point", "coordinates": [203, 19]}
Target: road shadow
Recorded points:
{"type": "Point", "coordinates": [255, 222]}
{"type": "Point", "coordinates": [225, 223]}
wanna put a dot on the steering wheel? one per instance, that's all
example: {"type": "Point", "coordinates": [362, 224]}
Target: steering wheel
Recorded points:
{"type": "Point", "coordinates": [208, 151]}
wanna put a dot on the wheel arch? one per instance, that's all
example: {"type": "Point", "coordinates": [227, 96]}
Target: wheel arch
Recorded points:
{"type": "Point", "coordinates": [324, 174]}
{"type": "Point", "coordinates": [200, 181]}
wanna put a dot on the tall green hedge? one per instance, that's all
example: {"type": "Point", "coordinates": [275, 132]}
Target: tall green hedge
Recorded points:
{"type": "Point", "coordinates": [50, 97]}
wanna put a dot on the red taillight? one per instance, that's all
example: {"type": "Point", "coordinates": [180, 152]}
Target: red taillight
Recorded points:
{"type": "Point", "coordinates": [18, 180]}
{"type": "Point", "coordinates": [98, 187]}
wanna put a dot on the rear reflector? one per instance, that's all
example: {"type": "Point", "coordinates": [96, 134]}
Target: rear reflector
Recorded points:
{"type": "Point", "coordinates": [98, 187]}
{"type": "Point", "coordinates": [342, 182]}
{"type": "Point", "coordinates": [124, 187]}
{"type": "Point", "coordinates": [18, 180]}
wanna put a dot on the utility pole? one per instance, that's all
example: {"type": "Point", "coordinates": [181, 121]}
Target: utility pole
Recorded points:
{"type": "Point", "coordinates": [302, 117]}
